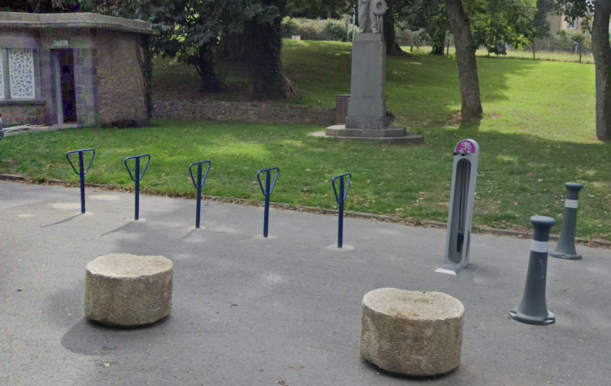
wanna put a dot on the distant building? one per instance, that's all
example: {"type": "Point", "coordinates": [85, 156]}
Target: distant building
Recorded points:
{"type": "Point", "coordinates": [78, 68]}
{"type": "Point", "coordinates": [558, 23]}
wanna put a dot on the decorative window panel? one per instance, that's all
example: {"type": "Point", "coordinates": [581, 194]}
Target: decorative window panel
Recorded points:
{"type": "Point", "coordinates": [21, 73]}
{"type": "Point", "coordinates": [1, 77]}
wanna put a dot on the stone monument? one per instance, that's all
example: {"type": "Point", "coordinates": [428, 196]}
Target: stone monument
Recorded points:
{"type": "Point", "coordinates": [368, 117]}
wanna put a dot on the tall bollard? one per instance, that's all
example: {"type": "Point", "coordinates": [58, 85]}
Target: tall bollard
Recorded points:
{"type": "Point", "coordinates": [199, 184]}
{"type": "Point", "coordinates": [533, 309]}
{"type": "Point", "coordinates": [137, 177]}
{"type": "Point", "coordinates": [565, 249]}
{"type": "Point", "coordinates": [82, 172]}
{"type": "Point", "coordinates": [341, 199]}
{"type": "Point", "coordinates": [460, 214]}
{"type": "Point", "coordinates": [267, 191]}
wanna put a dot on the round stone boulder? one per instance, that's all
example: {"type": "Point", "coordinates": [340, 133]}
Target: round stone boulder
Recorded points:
{"type": "Point", "coordinates": [128, 290]}
{"type": "Point", "coordinates": [411, 333]}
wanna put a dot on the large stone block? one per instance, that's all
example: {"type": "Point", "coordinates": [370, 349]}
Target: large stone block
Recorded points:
{"type": "Point", "coordinates": [412, 333]}
{"type": "Point", "coordinates": [368, 78]}
{"type": "Point", "coordinates": [128, 290]}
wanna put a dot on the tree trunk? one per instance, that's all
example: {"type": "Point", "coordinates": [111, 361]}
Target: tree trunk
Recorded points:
{"type": "Point", "coordinates": [390, 37]}
{"type": "Point", "coordinates": [267, 78]}
{"type": "Point", "coordinates": [439, 43]}
{"type": "Point", "coordinates": [233, 47]}
{"type": "Point", "coordinates": [347, 23]}
{"type": "Point", "coordinates": [204, 65]}
{"type": "Point", "coordinates": [144, 53]}
{"type": "Point", "coordinates": [467, 63]}
{"type": "Point", "coordinates": [602, 59]}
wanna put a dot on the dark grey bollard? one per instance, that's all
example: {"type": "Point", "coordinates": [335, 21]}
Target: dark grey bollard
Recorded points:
{"type": "Point", "coordinates": [533, 309]}
{"type": "Point", "coordinates": [566, 244]}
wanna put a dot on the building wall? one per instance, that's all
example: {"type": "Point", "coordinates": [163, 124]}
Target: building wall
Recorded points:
{"type": "Point", "coordinates": [16, 112]}
{"type": "Point", "coordinates": [108, 80]}
{"type": "Point", "coordinates": [22, 114]}
{"type": "Point", "coordinates": [80, 42]}
{"type": "Point", "coordinates": [118, 79]}
{"type": "Point", "coordinates": [558, 24]}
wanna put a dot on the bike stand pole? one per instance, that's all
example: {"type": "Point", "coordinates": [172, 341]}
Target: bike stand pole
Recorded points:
{"type": "Point", "coordinates": [267, 192]}
{"type": "Point", "coordinates": [137, 212]}
{"type": "Point", "coordinates": [82, 171]}
{"type": "Point", "coordinates": [341, 199]}
{"type": "Point", "coordinates": [137, 177]}
{"type": "Point", "coordinates": [199, 183]}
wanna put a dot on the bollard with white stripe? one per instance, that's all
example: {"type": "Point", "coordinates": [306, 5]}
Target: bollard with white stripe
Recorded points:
{"type": "Point", "coordinates": [566, 244]}
{"type": "Point", "coordinates": [533, 309]}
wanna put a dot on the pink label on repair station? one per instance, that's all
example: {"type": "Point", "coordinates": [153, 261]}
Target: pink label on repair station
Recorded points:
{"type": "Point", "coordinates": [465, 146]}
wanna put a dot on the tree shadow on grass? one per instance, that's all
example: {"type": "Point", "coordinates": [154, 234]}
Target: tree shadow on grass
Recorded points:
{"type": "Point", "coordinates": [424, 90]}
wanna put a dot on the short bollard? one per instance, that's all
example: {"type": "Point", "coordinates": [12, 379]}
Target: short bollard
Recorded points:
{"type": "Point", "coordinates": [565, 249]}
{"type": "Point", "coordinates": [137, 177]}
{"type": "Point", "coordinates": [267, 191]}
{"type": "Point", "coordinates": [82, 172]}
{"type": "Point", "coordinates": [199, 184]}
{"type": "Point", "coordinates": [341, 199]}
{"type": "Point", "coordinates": [533, 309]}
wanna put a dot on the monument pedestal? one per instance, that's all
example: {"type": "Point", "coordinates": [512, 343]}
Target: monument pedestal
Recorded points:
{"type": "Point", "coordinates": [368, 118]}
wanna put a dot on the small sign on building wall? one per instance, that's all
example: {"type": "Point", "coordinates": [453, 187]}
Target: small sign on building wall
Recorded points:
{"type": "Point", "coordinates": [61, 43]}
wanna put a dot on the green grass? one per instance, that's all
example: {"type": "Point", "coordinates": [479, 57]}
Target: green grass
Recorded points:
{"type": "Point", "coordinates": [521, 54]}
{"type": "Point", "coordinates": [538, 133]}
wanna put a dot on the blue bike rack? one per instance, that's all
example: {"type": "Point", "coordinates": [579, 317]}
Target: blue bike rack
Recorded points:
{"type": "Point", "coordinates": [341, 199]}
{"type": "Point", "coordinates": [267, 191]}
{"type": "Point", "coordinates": [199, 184]}
{"type": "Point", "coordinates": [137, 177]}
{"type": "Point", "coordinates": [82, 172]}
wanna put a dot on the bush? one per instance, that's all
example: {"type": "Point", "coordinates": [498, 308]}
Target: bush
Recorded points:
{"type": "Point", "coordinates": [335, 30]}
{"type": "Point", "coordinates": [407, 37]}
{"type": "Point", "coordinates": [289, 27]}
{"type": "Point", "coordinates": [310, 31]}
{"type": "Point", "coordinates": [320, 30]}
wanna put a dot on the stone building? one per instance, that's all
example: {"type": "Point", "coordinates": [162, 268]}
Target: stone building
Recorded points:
{"type": "Point", "coordinates": [71, 69]}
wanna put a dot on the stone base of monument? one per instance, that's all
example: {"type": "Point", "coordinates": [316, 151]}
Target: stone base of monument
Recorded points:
{"type": "Point", "coordinates": [128, 290]}
{"type": "Point", "coordinates": [390, 135]}
{"type": "Point", "coordinates": [411, 333]}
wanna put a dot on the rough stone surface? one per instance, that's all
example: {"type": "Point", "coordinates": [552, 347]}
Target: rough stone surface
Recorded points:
{"type": "Point", "coordinates": [241, 111]}
{"type": "Point", "coordinates": [118, 80]}
{"type": "Point", "coordinates": [23, 113]}
{"type": "Point", "coordinates": [128, 290]}
{"type": "Point", "coordinates": [389, 136]}
{"type": "Point", "coordinates": [107, 77]}
{"type": "Point", "coordinates": [411, 333]}
{"type": "Point", "coordinates": [367, 106]}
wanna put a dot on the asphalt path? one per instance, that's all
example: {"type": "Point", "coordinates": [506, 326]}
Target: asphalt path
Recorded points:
{"type": "Point", "coordinates": [277, 311]}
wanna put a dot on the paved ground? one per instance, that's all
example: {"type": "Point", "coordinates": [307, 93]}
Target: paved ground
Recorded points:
{"type": "Point", "coordinates": [249, 311]}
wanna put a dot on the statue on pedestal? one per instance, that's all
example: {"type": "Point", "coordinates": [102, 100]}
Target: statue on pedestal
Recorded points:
{"type": "Point", "coordinates": [370, 15]}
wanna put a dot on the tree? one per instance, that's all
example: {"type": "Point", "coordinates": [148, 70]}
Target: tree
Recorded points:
{"type": "Point", "coordinates": [192, 30]}
{"type": "Point", "coordinates": [467, 63]}
{"type": "Point", "coordinates": [540, 27]}
{"type": "Point", "coordinates": [264, 37]}
{"type": "Point", "coordinates": [431, 17]}
{"type": "Point", "coordinates": [40, 6]}
{"type": "Point", "coordinates": [320, 8]}
{"type": "Point", "coordinates": [499, 22]}
{"type": "Point", "coordinates": [602, 56]}
{"type": "Point", "coordinates": [390, 37]}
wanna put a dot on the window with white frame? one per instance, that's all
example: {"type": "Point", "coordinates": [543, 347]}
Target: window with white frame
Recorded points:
{"type": "Point", "coordinates": [574, 23]}
{"type": "Point", "coordinates": [17, 77]}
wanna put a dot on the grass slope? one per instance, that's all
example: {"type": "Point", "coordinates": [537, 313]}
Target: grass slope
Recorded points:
{"type": "Point", "coordinates": [538, 134]}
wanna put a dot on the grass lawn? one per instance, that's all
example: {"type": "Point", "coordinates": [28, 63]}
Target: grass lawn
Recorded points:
{"type": "Point", "coordinates": [522, 54]}
{"type": "Point", "coordinates": [538, 133]}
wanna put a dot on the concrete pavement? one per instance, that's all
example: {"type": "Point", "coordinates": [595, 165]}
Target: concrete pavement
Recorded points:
{"type": "Point", "coordinates": [286, 310]}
